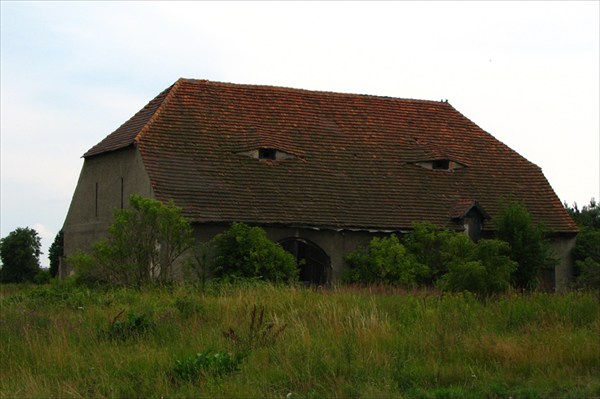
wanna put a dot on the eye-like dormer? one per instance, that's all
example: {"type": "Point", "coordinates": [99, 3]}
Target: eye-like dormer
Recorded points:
{"type": "Point", "coordinates": [267, 154]}
{"type": "Point", "coordinates": [443, 164]}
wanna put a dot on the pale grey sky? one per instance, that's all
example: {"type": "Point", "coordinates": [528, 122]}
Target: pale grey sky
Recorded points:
{"type": "Point", "coordinates": [72, 72]}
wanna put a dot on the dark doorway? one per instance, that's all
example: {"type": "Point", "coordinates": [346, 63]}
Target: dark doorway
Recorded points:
{"type": "Point", "coordinates": [312, 261]}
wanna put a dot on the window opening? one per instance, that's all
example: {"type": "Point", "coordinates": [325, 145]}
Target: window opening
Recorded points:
{"type": "Point", "coordinates": [267, 154]}
{"type": "Point", "coordinates": [122, 192]}
{"type": "Point", "coordinates": [96, 201]}
{"type": "Point", "coordinates": [311, 259]}
{"type": "Point", "coordinates": [441, 164]}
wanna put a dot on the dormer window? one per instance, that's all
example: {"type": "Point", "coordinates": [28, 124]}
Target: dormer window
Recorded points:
{"type": "Point", "coordinates": [267, 154]}
{"type": "Point", "coordinates": [445, 165]}
{"type": "Point", "coordinates": [440, 164]}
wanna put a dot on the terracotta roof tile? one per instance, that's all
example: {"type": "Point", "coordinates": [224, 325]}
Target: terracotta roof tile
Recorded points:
{"type": "Point", "coordinates": [354, 165]}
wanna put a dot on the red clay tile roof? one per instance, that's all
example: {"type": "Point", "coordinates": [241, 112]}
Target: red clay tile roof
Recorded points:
{"type": "Point", "coordinates": [463, 206]}
{"type": "Point", "coordinates": [354, 165]}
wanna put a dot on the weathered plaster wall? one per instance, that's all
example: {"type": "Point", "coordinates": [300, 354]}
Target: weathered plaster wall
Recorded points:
{"type": "Point", "coordinates": [563, 273]}
{"type": "Point", "coordinates": [105, 183]}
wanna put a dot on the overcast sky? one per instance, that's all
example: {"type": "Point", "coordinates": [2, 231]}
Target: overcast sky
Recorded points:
{"type": "Point", "coordinates": [72, 72]}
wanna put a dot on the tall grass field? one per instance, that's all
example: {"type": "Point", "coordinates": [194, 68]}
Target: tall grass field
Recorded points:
{"type": "Point", "coordinates": [267, 341]}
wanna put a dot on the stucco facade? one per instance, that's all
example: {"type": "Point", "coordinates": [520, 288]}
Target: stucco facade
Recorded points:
{"type": "Point", "coordinates": [562, 247]}
{"type": "Point", "coordinates": [105, 184]}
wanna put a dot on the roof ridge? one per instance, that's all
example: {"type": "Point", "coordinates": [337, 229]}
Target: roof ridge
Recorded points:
{"type": "Point", "coordinates": [298, 89]}
{"type": "Point", "coordinates": [172, 89]}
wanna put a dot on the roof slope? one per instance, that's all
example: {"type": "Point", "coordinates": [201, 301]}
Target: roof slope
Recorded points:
{"type": "Point", "coordinates": [354, 164]}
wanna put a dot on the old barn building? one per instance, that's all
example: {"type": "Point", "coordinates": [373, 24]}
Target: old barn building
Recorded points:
{"type": "Point", "coordinates": [321, 172]}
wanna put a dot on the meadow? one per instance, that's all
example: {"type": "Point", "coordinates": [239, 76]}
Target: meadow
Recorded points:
{"type": "Point", "coordinates": [258, 340]}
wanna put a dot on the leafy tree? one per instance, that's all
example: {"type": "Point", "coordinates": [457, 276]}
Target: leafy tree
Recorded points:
{"type": "Point", "coordinates": [142, 245]}
{"type": "Point", "coordinates": [588, 216]}
{"type": "Point", "coordinates": [55, 252]}
{"type": "Point", "coordinates": [387, 261]}
{"type": "Point", "coordinates": [587, 248]}
{"type": "Point", "coordinates": [589, 274]}
{"type": "Point", "coordinates": [243, 251]}
{"type": "Point", "coordinates": [151, 235]}
{"type": "Point", "coordinates": [20, 252]}
{"type": "Point", "coordinates": [528, 246]}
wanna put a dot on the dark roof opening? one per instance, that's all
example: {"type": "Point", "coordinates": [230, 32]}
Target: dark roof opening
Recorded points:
{"type": "Point", "coordinates": [440, 164]}
{"type": "Point", "coordinates": [267, 153]}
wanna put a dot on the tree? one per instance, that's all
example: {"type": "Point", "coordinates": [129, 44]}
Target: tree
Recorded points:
{"type": "Point", "coordinates": [142, 245]}
{"type": "Point", "coordinates": [588, 216]}
{"type": "Point", "coordinates": [55, 252]}
{"type": "Point", "coordinates": [20, 253]}
{"type": "Point", "coordinates": [587, 248]}
{"type": "Point", "coordinates": [151, 235]}
{"type": "Point", "coordinates": [243, 251]}
{"type": "Point", "coordinates": [528, 246]}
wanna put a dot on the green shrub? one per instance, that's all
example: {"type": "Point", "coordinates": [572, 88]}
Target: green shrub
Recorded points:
{"type": "Point", "coordinates": [429, 244]}
{"type": "Point", "coordinates": [106, 264]}
{"type": "Point", "coordinates": [207, 363]}
{"type": "Point", "coordinates": [134, 325]}
{"type": "Point", "coordinates": [188, 306]}
{"type": "Point", "coordinates": [483, 268]}
{"type": "Point", "coordinates": [243, 251]}
{"type": "Point", "coordinates": [42, 277]}
{"type": "Point", "coordinates": [386, 261]}
{"type": "Point", "coordinates": [142, 245]}
{"type": "Point", "coordinates": [457, 263]}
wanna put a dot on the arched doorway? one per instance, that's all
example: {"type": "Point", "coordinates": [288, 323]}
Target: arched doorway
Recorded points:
{"type": "Point", "coordinates": [312, 261]}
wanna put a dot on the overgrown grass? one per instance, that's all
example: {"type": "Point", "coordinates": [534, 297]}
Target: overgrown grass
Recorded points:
{"type": "Point", "coordinates": [344, 342]}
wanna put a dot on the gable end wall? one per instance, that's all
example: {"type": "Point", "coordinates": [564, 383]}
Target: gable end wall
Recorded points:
{"type": "Point", "coordinates": [106, 181]}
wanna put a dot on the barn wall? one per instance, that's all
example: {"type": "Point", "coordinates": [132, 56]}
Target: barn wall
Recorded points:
{"type": "Point", "coordinates": [337, 244]}
{"type": "Point", "coordinates": [563, 273]}
{"type": "Point", "coordinates": [105, 183]}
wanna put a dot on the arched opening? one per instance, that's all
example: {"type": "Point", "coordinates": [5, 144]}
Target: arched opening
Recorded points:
{"type": "Point", "coordinates": [312, 261]}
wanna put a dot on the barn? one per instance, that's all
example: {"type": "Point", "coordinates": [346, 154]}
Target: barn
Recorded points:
{"type": "Point", "coordinates": [321, 172]}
